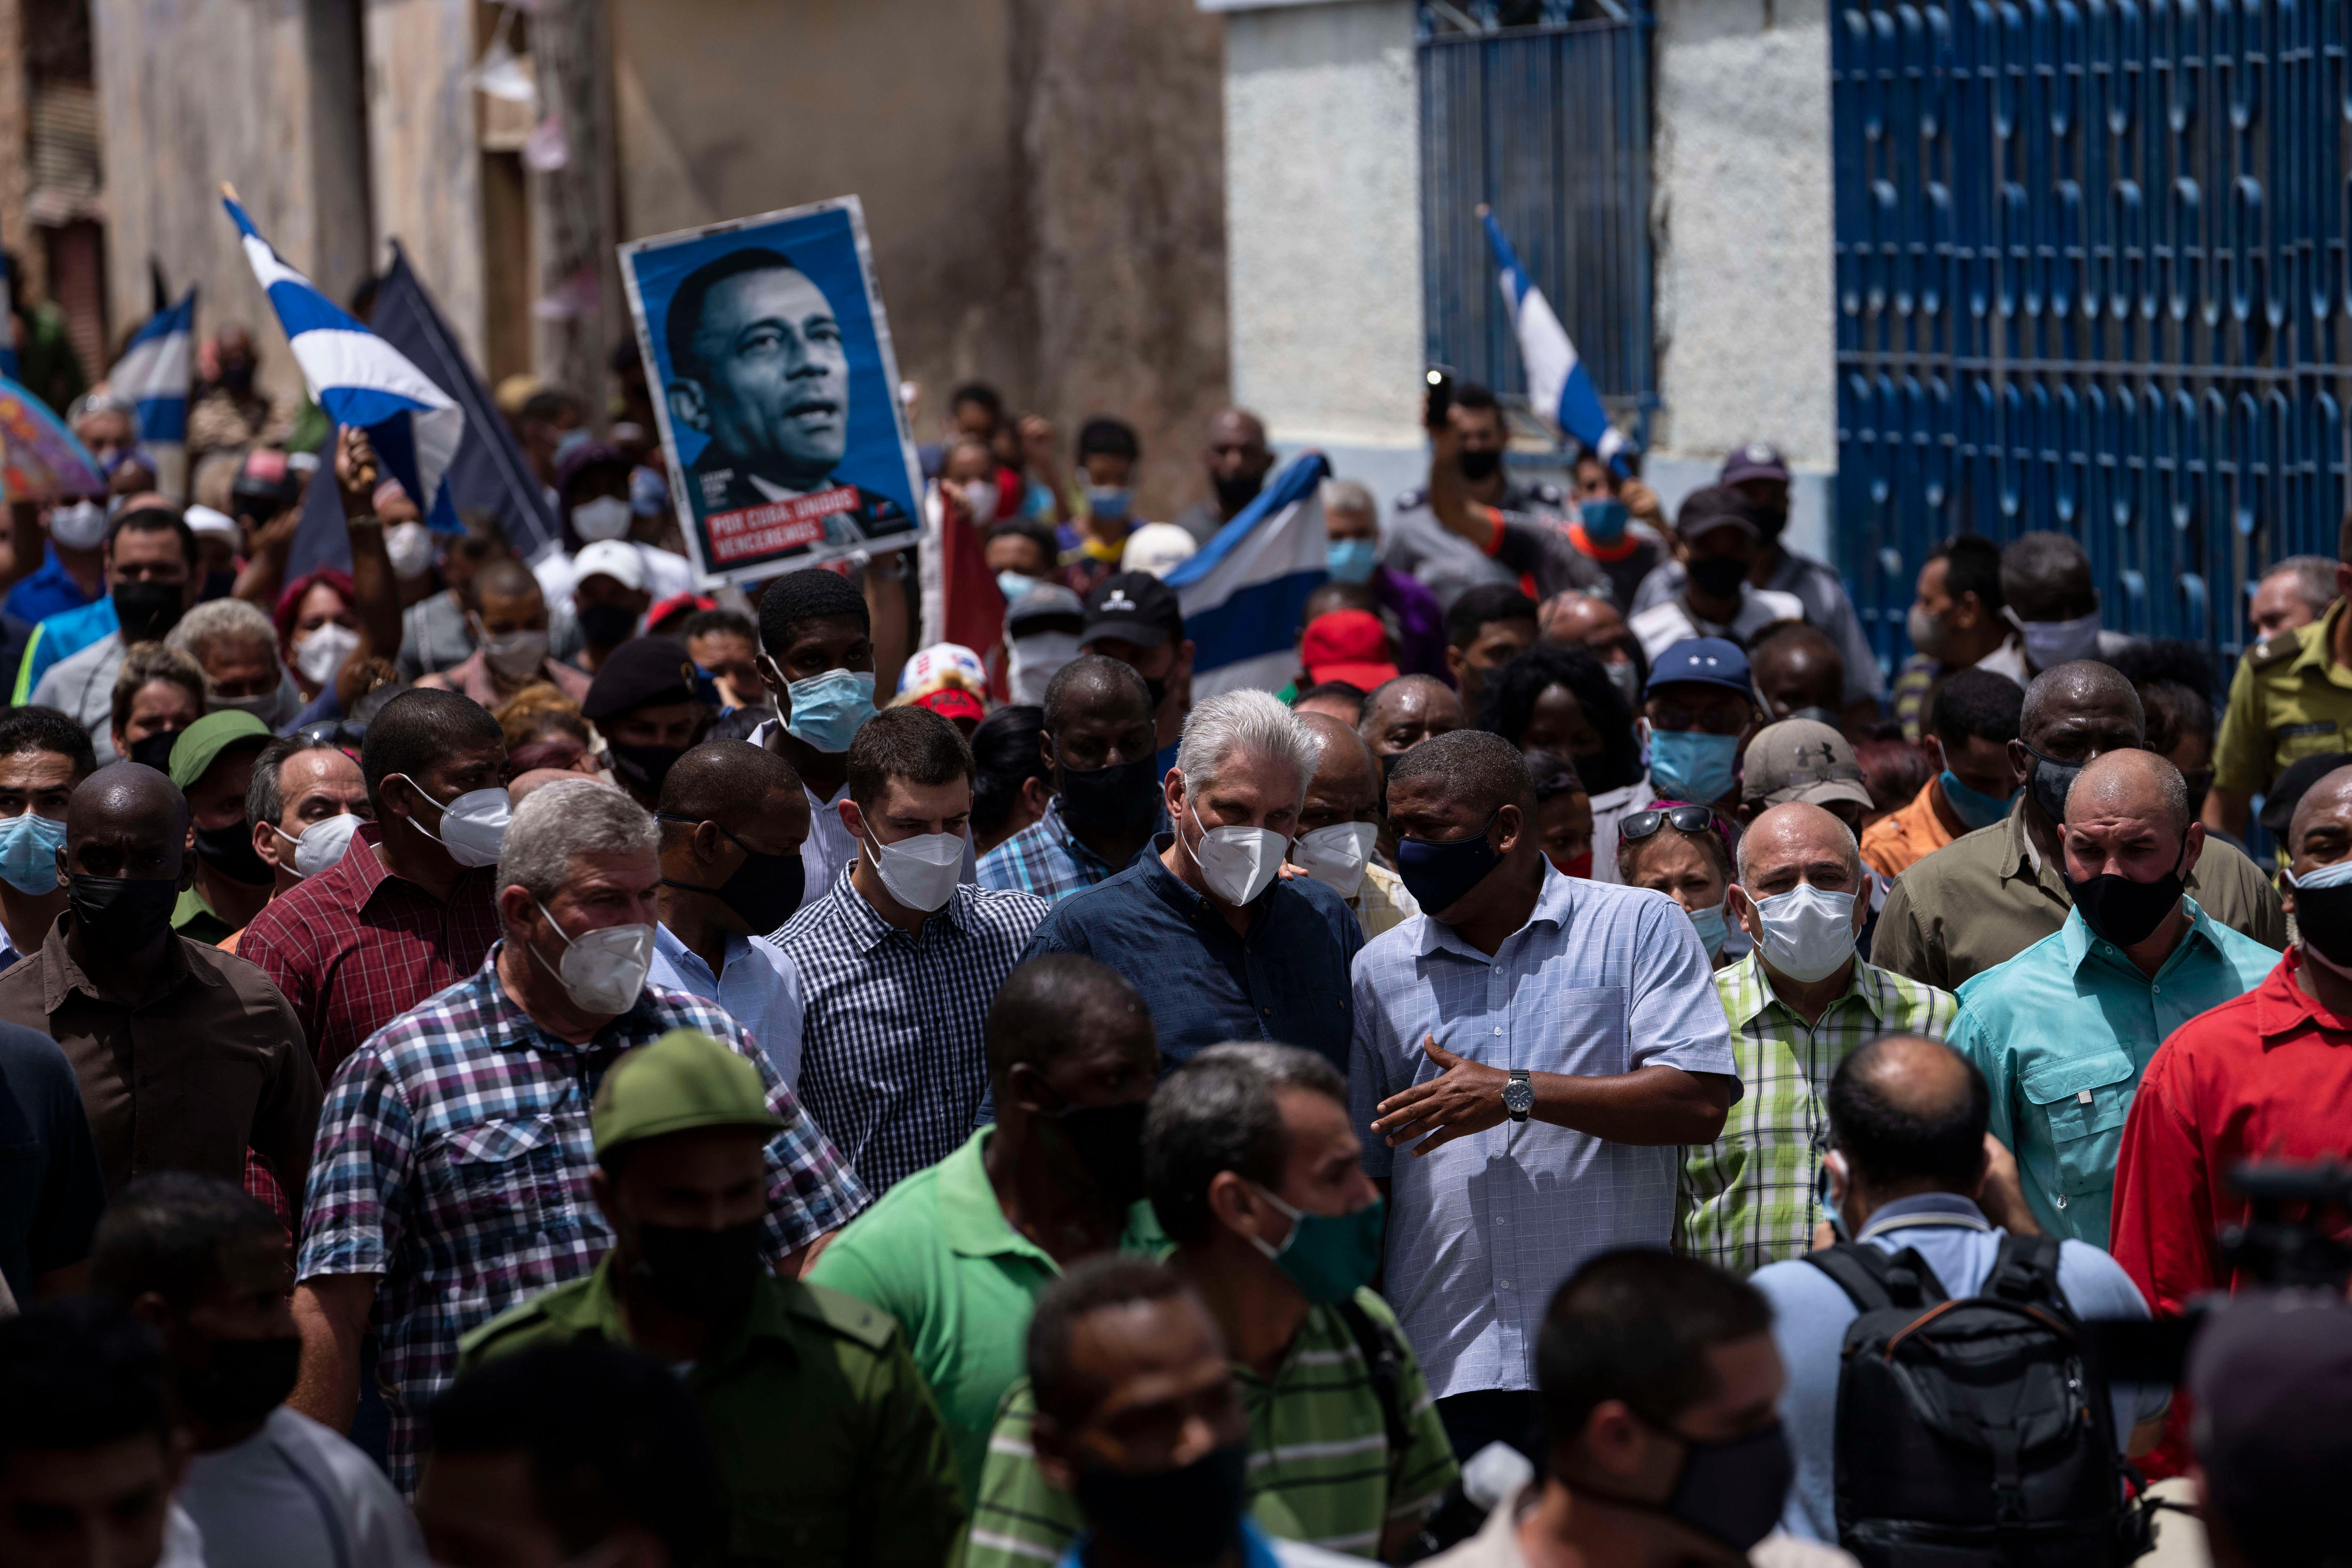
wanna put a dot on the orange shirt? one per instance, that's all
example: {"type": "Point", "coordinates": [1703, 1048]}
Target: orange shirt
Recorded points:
{"type": "Point", "coordinates": [1910, 833]}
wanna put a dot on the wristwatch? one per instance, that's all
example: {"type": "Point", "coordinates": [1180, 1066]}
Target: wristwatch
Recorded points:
{"type": "Point", "coordinates": [1519, 1095]}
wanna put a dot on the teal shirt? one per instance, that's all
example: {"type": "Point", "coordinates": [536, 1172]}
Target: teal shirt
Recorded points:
{"type": "Point", "coordinates": [2063, 1032]}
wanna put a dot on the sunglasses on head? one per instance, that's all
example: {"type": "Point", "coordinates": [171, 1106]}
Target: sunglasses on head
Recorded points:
{"type": "Point", "coordinates": [1685, 818]}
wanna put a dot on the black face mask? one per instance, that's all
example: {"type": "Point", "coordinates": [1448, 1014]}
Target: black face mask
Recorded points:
{"type": "Point", "coordinates": [147, 610]}
{"type": "Point", "coordinates": [605, 626]}
{"type": "Point", "coordinates": [2048, 780]}
{"type": "Point", "coordinates": [644, 766]}
{"type": "Point", "coordinates": [1439, 875]}
{"type": "Point", "coordinates": [2124, 911]}
{"type": "Point", "coordinates": [1729, 1493]}
{"type": "Point", "coordinates": [122, 914]}
{"type": "Point", "coordinates": [155, 749]}
{"type": "Point", "coordinates": [2323, 919]}
{"type": "Point", "coordinates": [237, 378]}
{"type": "Point", "coordinates": [1109, 1142]}
{"type": "Point", "coordinates": [703, 1274]}
{"type": "Point", "coordinates": [1237, 492]}
{"type": "Point", "coordinates": [248, 1379]}
{"type": "Point", "coordinates": [1184, 1516]}
{"type": "Point", "coordinates": [1718, 576]}
{"type": "Point", "coordinates": [764, 890]}
{"type": "Point", "coordinates": [1122, 798]}
{"type": "Point", "coordinates": [1477, 466]}
{"type": "Point", "coordinates": [229, 851]}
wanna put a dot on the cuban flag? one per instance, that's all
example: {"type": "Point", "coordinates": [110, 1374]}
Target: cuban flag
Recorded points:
{"type": "Point", "coordinates": [1242, 593]}
{"type": "Point", "coordinates": [1557, 385]}
{"type": "Point", "coordinates": [359, 379]}
{"type": "Point", "coordinates": [154, 373]}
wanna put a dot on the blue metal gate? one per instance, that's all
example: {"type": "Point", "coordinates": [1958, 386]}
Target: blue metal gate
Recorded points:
{"type": "Point", "coordinates": [1549, 125]}
{"type": "Point", "coordinates": [2090, 266]}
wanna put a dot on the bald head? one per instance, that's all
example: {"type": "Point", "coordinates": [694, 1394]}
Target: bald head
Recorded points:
{"type": "Point", "coordinates": [1909, 1115]}
{"type": "Point", "coordinates": [2130, 784]}
{"type": "Point", "coordinates": [2082, 696]}
{"type": "Point", "coordinates": [725, 782]}
{"type": "Point", "coordinates": [531, 781]}
{"type": "Point", "coordinates": [1400, 714]}
{"type": "Point", "coordinates": [126, 820]}
{"type": "Point", "coordinates": [1797, 842]}
{"type": "Point", "coordinates": [2322, 829]}
{"type": "Point", "coordinates": [1347, 776]}
{"type": "Point", "coordinates": [1094, 687]}
{"type": "Point", "coordinates": [1798, 668]}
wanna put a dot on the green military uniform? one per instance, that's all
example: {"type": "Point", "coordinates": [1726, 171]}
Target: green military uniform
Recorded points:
{"type": "Point", "coordinates": [2290, 700]}
{"type": "Point", "coordinates": [828, 1440]}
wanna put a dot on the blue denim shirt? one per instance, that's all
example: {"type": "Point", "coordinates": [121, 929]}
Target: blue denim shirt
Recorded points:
{"type": "Point", "coordinates": [1286, 980]}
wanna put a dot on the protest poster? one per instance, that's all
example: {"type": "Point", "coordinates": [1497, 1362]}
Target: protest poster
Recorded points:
{"type": "Point", "coordinates": [773, 380]}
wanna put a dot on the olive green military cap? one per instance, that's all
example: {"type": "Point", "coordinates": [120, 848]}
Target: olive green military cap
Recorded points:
{"type": "Point", "coordinates": [682, 1081]}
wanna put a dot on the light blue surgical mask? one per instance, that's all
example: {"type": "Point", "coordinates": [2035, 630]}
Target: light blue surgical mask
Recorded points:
{"type": "Point", "coordinates": [1973, 806]}
{"type": "Point", "coordinates": [830, 708]}
{"type": "Point", "coordinates": [1108, 501]}
{"type": "Point", "coordinates": [1013, 584]}
{"type": "Point", "coordinates": [1693, 766]}
{"type": "Point", "coordinates": [29, 853]}
{"type": "Point", "coordinates": [1351, 560]}
{"type": "Point", "coordinates": [1712, 931]}
{"type": "Point", "coordinates": [1604, 519]}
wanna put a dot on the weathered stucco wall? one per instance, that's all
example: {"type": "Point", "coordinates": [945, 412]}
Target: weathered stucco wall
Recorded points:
{"type": "Point", "coordinates": [260, 93]}
{"type": "Point", "coordinates": [426, 167]}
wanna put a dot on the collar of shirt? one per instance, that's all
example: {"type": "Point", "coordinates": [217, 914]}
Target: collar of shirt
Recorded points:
{"type": "Point", "coordinates": [597, 1310]}
{"type": "Point", "coordinates": [61, 977]}
{"type": "Point", "coordinates": [2283, 1008]}
{"type": "Point", "coordinates": [2082, 946]}
{"type": "Point", "coordinates": [667, 942]}
{"type": "Point", "coordinates": [2318, 650]}
{"type": "Point", "coordinates": [507, 1027]}
{"type": "Point", "coordinates": [1178, 895]}
{"type": "Point", "coordinates": [1059, 827]}
{"type": "Point", "coordinates": [1554, 904]}
{"type": "Point", "coordinates": [870, 931]}
{"type": "Point", "coordinates": [1927, 1208]}
{"type": "Point", "coordinates": [973, 1222]}
{"type": "Point", "coordinates": [1752, 991]}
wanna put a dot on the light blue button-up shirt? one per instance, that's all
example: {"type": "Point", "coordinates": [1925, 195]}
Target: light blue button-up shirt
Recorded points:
{"type": "Point", "coordinates": [2063, 1032]}
{"type": "Point", "coordinates": [757, 982]}
{"type": "Point", "coordinates": [1601, 980]}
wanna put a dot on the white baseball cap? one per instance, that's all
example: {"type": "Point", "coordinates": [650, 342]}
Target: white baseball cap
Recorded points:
{"type": "Point", "coordinates": [614, 558]}
{"type": "Point", "coordinates": [205, 519]}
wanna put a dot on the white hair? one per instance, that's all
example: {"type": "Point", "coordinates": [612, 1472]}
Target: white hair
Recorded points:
{"type": "Point", "coordinates": [1351, 495]}
{"type": "Point", "coordinates": [1243, 723]}
{"type": "Point", "coordinates": [557, 821]}
{"type": "Point", "coordinates": [217, 622]}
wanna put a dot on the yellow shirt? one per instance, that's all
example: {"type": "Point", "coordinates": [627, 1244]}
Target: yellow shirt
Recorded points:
{"type": "Point", "coordinates": [2289, 699]}
{"type": "Point", "coordinates": [1380, 902]}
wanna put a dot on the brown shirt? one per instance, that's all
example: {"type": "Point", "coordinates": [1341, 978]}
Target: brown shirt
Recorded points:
{"type": "Point", "coordinates": [1981, 900]}
{"type": "Point", "coordinates": [186, 1075]}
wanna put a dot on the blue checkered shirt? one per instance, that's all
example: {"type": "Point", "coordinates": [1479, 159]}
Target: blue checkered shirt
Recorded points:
{"type": "Point", "coordinates": [1045, 858]}
{"type": "Point", "coordinates": [453, 1160]}
{"type": "Point", "coordinates": [1601, 980]}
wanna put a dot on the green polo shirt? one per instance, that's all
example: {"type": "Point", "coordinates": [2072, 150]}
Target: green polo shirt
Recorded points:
{"type": "Point", "coordinates": [2063, 1032]}
{"type": "Point", "coordinates": [196, 920]}
{"type": "Point", "coordinates": [937, 1254]}
{"type": "Point", "coordinates": [828, 1444]}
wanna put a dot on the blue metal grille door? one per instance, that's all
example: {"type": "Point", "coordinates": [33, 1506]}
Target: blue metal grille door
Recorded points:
{"type": "Point", "coordinates": [2090, 275]}
{"type": "Point", "coordinates": [1549, 125]}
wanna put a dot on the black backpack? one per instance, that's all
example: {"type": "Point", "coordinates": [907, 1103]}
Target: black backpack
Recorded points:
{"type": "Point", "coordinates": [1971, 1434]}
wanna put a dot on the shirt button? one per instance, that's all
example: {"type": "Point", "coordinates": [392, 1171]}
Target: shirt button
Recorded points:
{"type": "Point", "coordinates": [1268, 1012]}
{"type": "Point", "coordinates": [1498, 1029]}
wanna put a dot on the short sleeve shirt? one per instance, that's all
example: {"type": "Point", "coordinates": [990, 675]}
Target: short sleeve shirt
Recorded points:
{"type": "Point", "coordinates": [1601, 980]}
{"type": "Point", "coordinates": [2289, 699]}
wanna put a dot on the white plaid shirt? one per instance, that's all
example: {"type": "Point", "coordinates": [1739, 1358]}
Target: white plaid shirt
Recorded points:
{"type": "Point", "coordinates": [893, 1061]}
{"type": "Point", "coordinates": [1601, 980]}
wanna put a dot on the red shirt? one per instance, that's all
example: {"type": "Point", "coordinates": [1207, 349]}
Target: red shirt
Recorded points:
{"type": "Point", "coordinates": [2267, 1076]}
{"type": "Point", "coordinates": [354, 947]}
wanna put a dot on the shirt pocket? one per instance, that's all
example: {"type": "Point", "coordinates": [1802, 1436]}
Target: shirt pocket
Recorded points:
{"type": "Point", "coordinates": [506, 1175]}
{"type": "Point", "coordinates": [2085, 1101]}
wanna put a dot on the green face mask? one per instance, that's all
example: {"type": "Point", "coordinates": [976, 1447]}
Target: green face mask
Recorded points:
{"type": "Point", "coordinates": [1329, 1256]}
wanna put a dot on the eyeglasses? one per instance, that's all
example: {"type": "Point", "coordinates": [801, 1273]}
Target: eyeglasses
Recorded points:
{"type": "Point", "coordinates": [1685, 818]}
{"type": "Point", "coordinates": [1715, 721]}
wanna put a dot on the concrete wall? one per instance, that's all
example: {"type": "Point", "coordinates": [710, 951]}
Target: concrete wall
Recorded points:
{"type": "Point", "coordinates": [1322, 225]}
{"type": "Point", "coordinates": [425, 162]}
{"type": "Point", "coordinates": [260, 93]}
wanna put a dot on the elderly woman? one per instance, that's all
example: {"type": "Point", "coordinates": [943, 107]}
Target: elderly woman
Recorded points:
{"type": "Point", "coordinates": [1679, 849]}
{"type": "Point", "coordinates": [159, 692]}
{"type": "Point", "coordinates": [237, 647]}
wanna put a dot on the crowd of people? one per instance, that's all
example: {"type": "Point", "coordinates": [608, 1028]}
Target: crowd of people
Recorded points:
{"type": "Point", "coordinates": [521, 1061]}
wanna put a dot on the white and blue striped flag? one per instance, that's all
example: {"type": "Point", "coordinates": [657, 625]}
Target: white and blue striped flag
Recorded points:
{"type": "Point", "coordinates": [1559, 387]}
{"type": "Point", "coordinates": [1242, 593]}
{"type": "Point", "coordinates": [360, 379]}
{"type": "Point", "coordinates": [153, 374]}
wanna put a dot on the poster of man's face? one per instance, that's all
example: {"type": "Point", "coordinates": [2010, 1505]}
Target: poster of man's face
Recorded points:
{"type": "Point", "coordinates": [769, 344]}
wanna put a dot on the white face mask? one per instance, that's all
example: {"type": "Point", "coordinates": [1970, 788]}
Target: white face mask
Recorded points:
{"type": "Point", "coordinates": [1335, 856]}
{"type": "Point", "coordinates": [322, 844]}
{"type": "Point", "coordinates": [1036, 659]}
{"type": "Point", "coordinates": [321, 653]}
{"type": "Point", "coordinates": [1626, 676]}
{"type": "Point", "coordinates": [1238, 863]}
{"type": "Point", "coordinates": [517, 654]}
{"type": "Point", "coordinates": [919, 873]}
{"type": "Point", "coordinates": [473, 825]}
{"type": "Point", "coordinates": [604, 970]}
{"type": "Point", "coordinates": [1808, 933]}
{"type": "Point", "coordinates": [980, 498]}
{"type": "Point", "coordinates": [410, 545]}
{"type": "Point", "coordinates": [81, 526]}
{"type": "Point", "coordinates": [606, 517]}
{"type": "Point", "coordinates": [2048, 644]}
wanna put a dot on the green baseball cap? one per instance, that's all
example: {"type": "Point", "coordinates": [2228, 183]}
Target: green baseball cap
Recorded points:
{"type": "Point", "coordinates": [684, 1080]}
{"type": "Point", "coordinates": [201, 742]}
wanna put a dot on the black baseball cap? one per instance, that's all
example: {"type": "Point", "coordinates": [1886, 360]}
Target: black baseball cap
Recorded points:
{"type": "Point", "coordinates": [2286, 792]}
{"type": "Point", "coordinates": [1133, 607]}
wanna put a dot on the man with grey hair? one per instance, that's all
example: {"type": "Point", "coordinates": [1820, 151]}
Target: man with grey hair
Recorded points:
{"type": "Point", "coordinates": [2293, 592]}
{"type": "Point", "coordinates": [1351, 522]}
{"type": "Point", "coordinates": [1256, 1174]}
{"type": "Point", "coordinates": [305, 801]}
{"type": "Point", "coordinates": [237, 647]}
{"type": "Point", "coordinates": [450, 1180]}
{"type": "Point", "coordinates": [1799, 1002]}
{"type": "Point", "coordinates": [2063, 1031]}
{"type": "Point", "coordinates": [1220, 944]}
